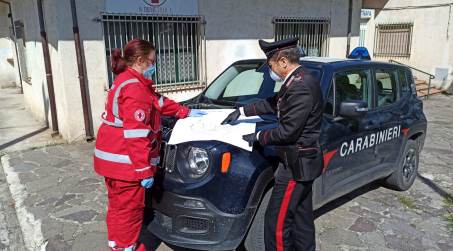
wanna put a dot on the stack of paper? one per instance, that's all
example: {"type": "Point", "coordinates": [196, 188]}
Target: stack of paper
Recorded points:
{"type": "Point", "coordinates": [208, 127]}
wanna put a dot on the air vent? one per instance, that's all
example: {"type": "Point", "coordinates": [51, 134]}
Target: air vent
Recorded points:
{"type": "Point", "coordinates": [192, 225]}
{"type": "Point", "coordinates": [170, 158]}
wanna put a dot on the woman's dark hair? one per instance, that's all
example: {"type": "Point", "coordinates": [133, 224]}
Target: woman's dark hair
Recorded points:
{"type": "Point", "coordinates": [132, 51]}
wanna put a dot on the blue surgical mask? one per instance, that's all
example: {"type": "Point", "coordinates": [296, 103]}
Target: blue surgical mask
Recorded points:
{"type": "Point", "coordinates": [148, 73]}
{"type": "Point", "coordinates": [274, 76]}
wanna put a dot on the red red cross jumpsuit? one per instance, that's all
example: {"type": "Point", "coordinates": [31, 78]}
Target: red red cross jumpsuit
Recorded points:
{"type": "Point", "coordinates": [127, 151]}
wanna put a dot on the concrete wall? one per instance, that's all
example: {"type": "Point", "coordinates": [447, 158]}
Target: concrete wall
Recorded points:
{"type": "Point", "coordinates": [7, 70]}
{"type": "Point", "coordinates": [232, 31]}
{"type": "Point", "coordinates": [432, 38]}
{"type": "Point", "coordinates": [35, 90]}
{"type": "Point", "coordinates": [58, 24]}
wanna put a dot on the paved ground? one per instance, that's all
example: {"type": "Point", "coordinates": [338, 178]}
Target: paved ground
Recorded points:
{"type": "Point", "coordinates": [18, 130]}
{"type": "Point", "coordinates": [50, 199]}
{"type": "Point", "coordinates": [60, 202]}
{"type": "Point", "coordinates": [10, 233]}
{"type": "Point", "coordinates": [382, 219]}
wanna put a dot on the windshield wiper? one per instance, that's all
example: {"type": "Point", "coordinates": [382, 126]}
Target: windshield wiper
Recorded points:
{"type": "Point", "coordinates": [218, 102]}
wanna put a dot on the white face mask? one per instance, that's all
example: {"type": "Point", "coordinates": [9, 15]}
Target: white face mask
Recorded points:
{"type": "Point", "coordinates": [274, 76]}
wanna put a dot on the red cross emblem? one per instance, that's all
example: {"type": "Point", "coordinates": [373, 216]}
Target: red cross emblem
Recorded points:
{"type": "Point", "coordinates": [154, 2]}
{"type": "Point", "coordinates": [139, 115]}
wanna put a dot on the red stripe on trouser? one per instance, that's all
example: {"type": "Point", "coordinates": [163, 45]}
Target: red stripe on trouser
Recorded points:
{"type": "Point", "coordinates": [282, 214]}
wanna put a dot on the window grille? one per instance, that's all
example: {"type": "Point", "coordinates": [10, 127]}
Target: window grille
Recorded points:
{"type": "Point", "coordinates": [313, 33]}
{"type": "Point", "coordinates": [393, 40]}
{"type": "Point", "coordinates": [179, 41]}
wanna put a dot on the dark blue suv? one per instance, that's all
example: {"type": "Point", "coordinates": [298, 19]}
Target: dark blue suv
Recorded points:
{"type": "Point", "coordinates": [373, 128]}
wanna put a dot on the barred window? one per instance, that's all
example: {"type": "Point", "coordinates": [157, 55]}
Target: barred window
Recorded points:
{"type": "Point", "coordinates": [313, 33]}
{"type": "Point", "coordinates": [179, 46]}
{"type": "Point", "coordinates": [393, 40]}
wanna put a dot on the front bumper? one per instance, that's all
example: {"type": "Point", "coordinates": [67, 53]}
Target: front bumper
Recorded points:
{"type": "Point", "coordinates": [196, 224]}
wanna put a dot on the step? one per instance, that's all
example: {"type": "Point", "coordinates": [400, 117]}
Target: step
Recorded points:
{"type": "Point", "coordinates": [420, 82]}
{"type": "Point", "coordinates": [422, 87]}
{"type": "Point", "coordinates": [432, 91]}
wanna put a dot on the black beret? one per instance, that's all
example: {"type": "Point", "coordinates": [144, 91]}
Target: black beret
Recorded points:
{"type": "Point", "coordinates": [270, 48]}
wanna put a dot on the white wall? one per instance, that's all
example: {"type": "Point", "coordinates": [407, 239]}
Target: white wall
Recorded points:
{"type": "Point", "coordinates": [232, 32]}
{"type": "Point", "coordinates": [7, 71]}
{"type": "Point", "coordinates": [35, 90]}
{"type": "Point", "coordinates": [431, 47]}
{"type": "Point", "coordinates": [233, 29]}
{"type": "Point", "coordinates": [58, 24]}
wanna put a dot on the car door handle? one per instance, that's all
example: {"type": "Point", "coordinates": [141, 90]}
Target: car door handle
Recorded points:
{"type": "Point", "coordinates": [362, 109]}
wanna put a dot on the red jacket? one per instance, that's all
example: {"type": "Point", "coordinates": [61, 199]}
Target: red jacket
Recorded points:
{"type": "Point", "coordinates": [128, 141]}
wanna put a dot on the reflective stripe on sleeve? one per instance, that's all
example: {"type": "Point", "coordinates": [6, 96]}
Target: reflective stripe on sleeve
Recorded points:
{"type": "Point", "coordinates": [161, 101]}
{"type": "Point", "coordinates": [117, 123]}
{"type": "Point", "coordinates": [113, 157]}
{"type": "Point", "coordinates": [136, 133]}
{"type": "Point", "coordinates": [143, 169]}
{"type": "Point", "coordinates": [117, 94]}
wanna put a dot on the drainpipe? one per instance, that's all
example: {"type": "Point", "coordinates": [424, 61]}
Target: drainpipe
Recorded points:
{"type": "Point", "coordinates": [348, 43]}
{"type": "Point", "coordinates": [48, 67]}
{"type": "Point", "coordinates": [10, 15]}
{"type": "Point", "coordinates": [81, 69]}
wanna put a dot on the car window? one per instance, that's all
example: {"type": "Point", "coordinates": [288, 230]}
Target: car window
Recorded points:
{"type": "Point", "coordinates": [278, 86]}
{"type": "Point", "coordinates": [246, 83]}
{"type": "Point", "coordinates": [238, 88]}
{"type": "Point", "coordinates": [404, 84]}
{"type": "Point", "coordinates": [386, 89]}
{"type": "Point", "coordinates": [353, 85]}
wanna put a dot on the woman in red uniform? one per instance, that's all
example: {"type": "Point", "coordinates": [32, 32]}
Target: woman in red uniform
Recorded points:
{"type": "Point", "coordinates": [128, 141]}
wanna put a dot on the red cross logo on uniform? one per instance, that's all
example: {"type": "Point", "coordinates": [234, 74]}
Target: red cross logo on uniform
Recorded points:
{"type": "Point", "coordinates": [139, 115]}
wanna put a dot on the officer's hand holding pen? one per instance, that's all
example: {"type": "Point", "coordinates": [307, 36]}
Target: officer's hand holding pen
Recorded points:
{"type": "Point", "coordinates": [232, 117]}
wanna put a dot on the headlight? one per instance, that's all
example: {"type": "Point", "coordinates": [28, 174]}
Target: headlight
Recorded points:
{"type": "Point", "coordinates": [198, 162]}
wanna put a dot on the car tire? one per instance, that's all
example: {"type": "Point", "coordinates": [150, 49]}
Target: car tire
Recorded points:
{"type": "Point", "coordinates": [406, 171]}
{"type": "Point", "coordinates": [255, 236]}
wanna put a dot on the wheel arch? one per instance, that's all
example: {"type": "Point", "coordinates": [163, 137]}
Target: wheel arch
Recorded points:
{"type": "Point", "coordinates": [418, 137]}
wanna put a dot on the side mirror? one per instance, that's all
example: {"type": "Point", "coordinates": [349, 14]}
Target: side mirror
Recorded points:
{"type": "Point", "coordinates": [353, 109]}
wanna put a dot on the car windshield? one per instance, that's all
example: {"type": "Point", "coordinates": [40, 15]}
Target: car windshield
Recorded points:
{"type": "Point", "coordinates": [246, 82]}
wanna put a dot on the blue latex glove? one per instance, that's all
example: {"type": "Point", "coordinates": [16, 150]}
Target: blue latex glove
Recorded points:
{"type": "Point", "coordinates": [147, 183]}
{"type": "Point", "coordinates": [196, 113]}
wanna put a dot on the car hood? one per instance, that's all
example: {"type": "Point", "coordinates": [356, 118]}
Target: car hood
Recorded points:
{"type": "Point", "coordinates": [269, 120]}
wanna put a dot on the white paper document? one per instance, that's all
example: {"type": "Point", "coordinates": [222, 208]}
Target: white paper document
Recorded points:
{"type": "Point", "coordinates": [208, 127]}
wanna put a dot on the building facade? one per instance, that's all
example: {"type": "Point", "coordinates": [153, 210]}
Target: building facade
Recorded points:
{"type": "Point", "coordinates": [195, 40]}
{"type": "Point", "coordinates": [418, 33]}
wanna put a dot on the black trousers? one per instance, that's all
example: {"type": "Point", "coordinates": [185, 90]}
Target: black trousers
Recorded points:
{"type": "Point", "coordinates": [289, 221]}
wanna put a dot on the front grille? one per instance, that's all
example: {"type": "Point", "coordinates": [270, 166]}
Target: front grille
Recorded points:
{"type": "Point", "coordinates": [170, 158]}
{"type": "Point", "coordinates": [192, 225]}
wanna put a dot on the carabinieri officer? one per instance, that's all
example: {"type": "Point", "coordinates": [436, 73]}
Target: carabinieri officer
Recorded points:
{"type": "Point", "coordinates": [289, 221]}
